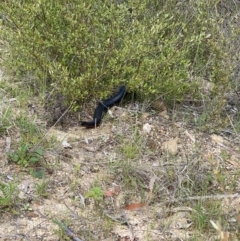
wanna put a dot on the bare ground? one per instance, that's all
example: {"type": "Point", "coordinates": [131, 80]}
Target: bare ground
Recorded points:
{"type": "Point", "coordinates": [167, 175]}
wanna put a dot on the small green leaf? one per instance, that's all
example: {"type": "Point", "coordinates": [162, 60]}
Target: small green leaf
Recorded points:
{"type": "Point", "coordinates": [96, 193]}
{"type": "Point", "coordinates": [39, 151]}
{"type": "Point", "coordinates": [38, 174]}
{"type": "Point", "coordinates": [14, 157]}
{"type": "Point", "coordinates": [34, 159]}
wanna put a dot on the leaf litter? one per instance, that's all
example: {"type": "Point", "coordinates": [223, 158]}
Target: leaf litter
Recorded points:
{"type": "Point", "coordinates": [144, 219]}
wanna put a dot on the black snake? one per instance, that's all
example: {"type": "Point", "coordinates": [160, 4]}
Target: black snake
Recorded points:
{"type": "Point", "coordinates": [103, 107]}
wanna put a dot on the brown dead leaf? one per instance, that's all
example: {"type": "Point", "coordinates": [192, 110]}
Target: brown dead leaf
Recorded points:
{"type": "Point", "coordinates": [134, 206]}
{"type": "Point", "coordinates": [109, 193]}
{"type": "Point", "coordinates": [115, 190]}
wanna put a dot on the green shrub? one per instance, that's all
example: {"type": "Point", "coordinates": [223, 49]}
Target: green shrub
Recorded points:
{"type": "Point", "coordinates": [84, 48]}
{"type": "Point", "coordinates": [8, 195]}
{"type": "Point", "coordinates": [23, 156]}
{"type": "Point", "coordinates": [96, 193]}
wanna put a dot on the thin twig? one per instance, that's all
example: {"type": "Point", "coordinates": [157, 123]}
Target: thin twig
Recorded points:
{"type": "Point", "coordinates": [74, 213]}
{"type": "Point", "coordinates": [64, 113]}
{"type": "Point", "coordinates": [69, 232]}
{"type": "Point", "coordinates": [214, 197]}
{"type": "Point", "coordinates": [129, 225]}
{"type": "Point", "coordinates": [232, 125]}
{"type": "Point", "coordinates": [34, 228]}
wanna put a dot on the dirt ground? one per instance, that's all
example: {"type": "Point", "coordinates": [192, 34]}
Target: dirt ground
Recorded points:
{"type": "Point", "coordinates": [90, 161]}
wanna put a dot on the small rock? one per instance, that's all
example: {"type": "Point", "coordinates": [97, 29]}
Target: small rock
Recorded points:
{"type": "Point", "coordinates": [170, 146]}
{"type": "Point", "coordinates": [147, 128]}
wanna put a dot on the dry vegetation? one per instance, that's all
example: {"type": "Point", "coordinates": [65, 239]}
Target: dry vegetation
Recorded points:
{"type": "Point", "coordinates": [141, 176]}
{"type": "Point", "coordinates": [146, 174]}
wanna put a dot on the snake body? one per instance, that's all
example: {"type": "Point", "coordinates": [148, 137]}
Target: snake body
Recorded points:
{"type": "Point", "coordinates": [103, 107]}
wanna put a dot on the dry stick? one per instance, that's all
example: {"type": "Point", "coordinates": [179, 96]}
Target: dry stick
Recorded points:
{"type": "Point", "coordinates": [125, 221]}
{"type": "Point", "coordinates": [205, 197]}
{"type": "Point", "coordinates": [64, 113]}
{"type": "Point", "coordinates": [11, 236]}
{"type": "Point", "coordinates": [117, 219]}
{"type": "Point", "coordinates": [232, 125]}
{"type": "Point", "coordinates": [62, 226]}
{"type": "Point", "coordinates": [69, 232]}
{"type": "Point", "coordinates": [34, 228]}
{"type": "Point", "coordinates": [128, 224]}
{"type": "Point", "coordinates": [71, 210]}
